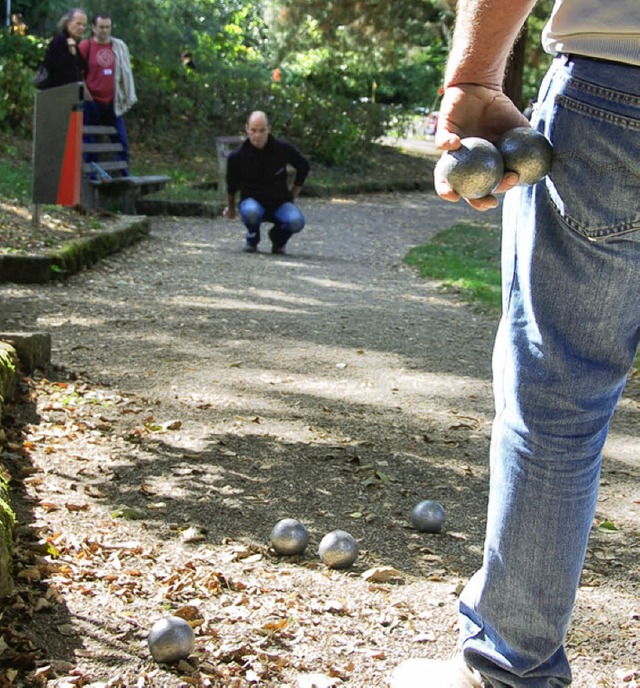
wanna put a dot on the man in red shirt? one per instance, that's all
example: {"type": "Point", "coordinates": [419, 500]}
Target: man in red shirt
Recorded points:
{"type": "Point", "coordinates": [110, 90]}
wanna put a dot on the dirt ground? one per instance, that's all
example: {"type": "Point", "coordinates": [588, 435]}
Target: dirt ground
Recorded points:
{"type": "Point", "coordinates": [199, 394]}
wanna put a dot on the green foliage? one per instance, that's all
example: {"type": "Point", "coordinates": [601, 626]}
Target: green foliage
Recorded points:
{"type": "Point", "coordinates": [332, 129]}
{"type": "Point", "coordinates": [19, 59]}
{"type": "Point", "coordinates": [369, 24]}
{"type": "Point", "coordinates": [349, 45]}
{"type": "Point", "coordinates": [537, 61]}
{"type": "Point", "coordinates": [465, 259]}
{"type": "Point", "coordinates": [200, 105]}
{"type": "Point", "coordinates": [15, 178]}
{"type": "Point", "coordinates": [41, 16]}
{"type": "Point", "coordinates": [416, 79]}
{"type": "Point", "coordinates": [350, 68]}
{"type": "Point", "coordinates": [157, 32]}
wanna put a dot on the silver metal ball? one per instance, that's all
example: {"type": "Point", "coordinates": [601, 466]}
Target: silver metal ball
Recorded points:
{"type": "Point", "coordinates": [171, 639]}
{"type": "Point", "coordinates": [289, 537]}
{"type": "Point", "coordinates": [473, 170]}
{"type": "Point", "coordinates": [527, 152]}
{"type": "Point", "coordinates": [338, 549]}
{"type": "Point", "coordinates": [428, 516]}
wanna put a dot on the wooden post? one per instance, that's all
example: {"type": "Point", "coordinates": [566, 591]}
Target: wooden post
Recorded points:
{"type": "Point", "coordinates": [224, 146]}
{"type": "Point", "coordinates": [35, 216]}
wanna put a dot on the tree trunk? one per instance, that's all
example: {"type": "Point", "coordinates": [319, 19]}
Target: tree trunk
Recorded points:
{"type": "Point", "coordinates": [515, 69]}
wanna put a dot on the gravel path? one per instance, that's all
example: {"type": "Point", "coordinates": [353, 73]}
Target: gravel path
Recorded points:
{"type": "Point", "coordinates": [330, 385]}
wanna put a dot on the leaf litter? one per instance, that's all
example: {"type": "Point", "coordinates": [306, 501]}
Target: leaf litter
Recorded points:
{"type": "Point", "coordinates": [90, 581]}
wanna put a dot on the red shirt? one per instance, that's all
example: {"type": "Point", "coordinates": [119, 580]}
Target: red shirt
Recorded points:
{"type": "Point", "coordinates": [101, 70]}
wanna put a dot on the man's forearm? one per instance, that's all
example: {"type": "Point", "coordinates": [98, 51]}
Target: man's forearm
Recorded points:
{"type": "Point", "coordinates": [484, 34]}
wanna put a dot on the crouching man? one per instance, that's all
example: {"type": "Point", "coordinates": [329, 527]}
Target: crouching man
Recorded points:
{"type": "Point", "coordinates": [258, 170]}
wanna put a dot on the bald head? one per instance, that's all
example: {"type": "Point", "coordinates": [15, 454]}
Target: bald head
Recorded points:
{"type": "Point", "coordinates": [258, 116]}
{"type": "Point", "coordinates": [258, 129]}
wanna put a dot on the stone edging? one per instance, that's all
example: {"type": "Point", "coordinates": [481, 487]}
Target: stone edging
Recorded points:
{"type": "Point", "coordinates": [75, 255]}
{"type": "Point", "coordinates": [151, 206]}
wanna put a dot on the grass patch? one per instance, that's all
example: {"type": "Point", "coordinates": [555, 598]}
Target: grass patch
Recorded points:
{"type": "Point", "coordinates": [15, 180]}
{"type": "Point", "coordinates": [465, 259]}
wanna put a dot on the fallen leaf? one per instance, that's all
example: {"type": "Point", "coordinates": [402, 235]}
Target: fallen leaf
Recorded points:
{"type": "Point", "coordinates": [381, 574]}
{"type": "Point", "coordinates": [274, 626]}
{"type": "Point", "coordinates": [193, 534]}
{"type": "Point", "coordinates": [316, 681]}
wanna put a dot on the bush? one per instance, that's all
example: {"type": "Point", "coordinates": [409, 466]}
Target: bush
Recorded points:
{"type": "Point", "coordinates": [19, 59]}
{"type": "Point", "coordinates": [198, 106]}
{"type": "Point", "coordinates": [177, 106]}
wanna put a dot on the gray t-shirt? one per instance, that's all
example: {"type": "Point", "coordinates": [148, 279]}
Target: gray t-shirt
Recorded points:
{"type": "Point", "coordinates": [607, 29]}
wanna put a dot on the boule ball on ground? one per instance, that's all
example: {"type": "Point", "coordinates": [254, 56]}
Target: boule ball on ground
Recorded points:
{"type": "Point", "coordinates": [527, 152]}
{"type": "Point", "coordinates": [338, 549]}
{"type": "Point", "coordinates": [474, 170]}
{"type": "Point", "coordinates": [289, 537]}
{"type": "Point", "coordinates": [171, 639]}
{"type": "Point", "coordinates": [428, 516]}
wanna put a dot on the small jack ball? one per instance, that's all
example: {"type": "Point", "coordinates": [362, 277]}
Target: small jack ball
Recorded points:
{"type": "Point", "coordinates": [171, 639]}
{"type": "Point", "coordinates": [428, 516]}
{"type": "Point", "coordinates": [289, 537]}
{"type": "Point", "coordinates": [338, 549]}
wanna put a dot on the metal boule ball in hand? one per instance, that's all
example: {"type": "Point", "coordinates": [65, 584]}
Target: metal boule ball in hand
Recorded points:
{"type": "Point", "coordinates": [289, 537]}
{"type": "Point", "coordinates": [428, 516]}
{"type": "Point", "coordinates": [171, 639]}
{"type": "Point", "coordinates": [338, 549]}
{"type": "Point", "coordinates": [527, 152]}
{"type": "Point", "coordinates": [473, 170]}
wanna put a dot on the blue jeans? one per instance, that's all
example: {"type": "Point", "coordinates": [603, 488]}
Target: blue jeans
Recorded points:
{"type": "Point", "coordinates": [567, 338]}
{"type": "Point", "coordinates": [96, 114]}
{"type": "Point", "coordinates": [287, 218]}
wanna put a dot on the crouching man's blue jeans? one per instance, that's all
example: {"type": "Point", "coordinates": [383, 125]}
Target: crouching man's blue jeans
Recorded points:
{"type": "Point", "coordinates": [566, 342]}
{"type": "Point", "coordinates": [287, 219]}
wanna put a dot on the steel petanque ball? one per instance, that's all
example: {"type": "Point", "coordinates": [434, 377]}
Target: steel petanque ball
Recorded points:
{"type": "Point", "coordinates": [289, 537]}
{"type": "Point", "coordinates": [428, 516]}
{"type": "Point", "coordinates": [338, 549]}
{"type": "Point", "coordinates": [171, 639]}
{"type": "Point", "coordinates": [527, 152]}
{"type": "Point", "coordinates": [473, 170]}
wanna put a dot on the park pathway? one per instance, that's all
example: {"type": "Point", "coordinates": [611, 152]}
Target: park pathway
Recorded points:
{"type": "Point", "coordinates": [229, 390]}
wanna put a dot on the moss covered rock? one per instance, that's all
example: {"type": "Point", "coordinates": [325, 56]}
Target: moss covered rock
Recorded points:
{"type": "Point", "coordinates": [7, 519]}
{"type": "Point", "coordinates": [8, 378]}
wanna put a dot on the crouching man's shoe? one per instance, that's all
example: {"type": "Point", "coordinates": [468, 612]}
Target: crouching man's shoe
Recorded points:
{"type": "Point", "coordinates": [435, 673]}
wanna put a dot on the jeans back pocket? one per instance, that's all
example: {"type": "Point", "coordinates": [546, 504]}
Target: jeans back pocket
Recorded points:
{"type": "Point", "coordinates": [594, 182]}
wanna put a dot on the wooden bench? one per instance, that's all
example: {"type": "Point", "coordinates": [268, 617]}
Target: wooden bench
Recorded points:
{"type": "Point", "coordinates": [104, 186]}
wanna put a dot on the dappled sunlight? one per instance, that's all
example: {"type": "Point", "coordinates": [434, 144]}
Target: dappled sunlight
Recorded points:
{"type": "Point", "coordinates": [623, 448]}
{"type": "Point", "coordinates": [394, 385]}
{"type": "Point", "coordinates": [66, 318]}
{"type": "Point", "coordinates": [344, 201]}
{"type": "Point", "coordinates": [294, 298]}
{"type": "Point", "coordinates": [198, 244]}
{"type": "Point", "coordinates": [235, 305]}
{"type": "Point", "coordinates": [330, 375]}
{"type": "Point", "coordinates": [332, 284]}
{"type": "Point", "coordinates": [268, 294]}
